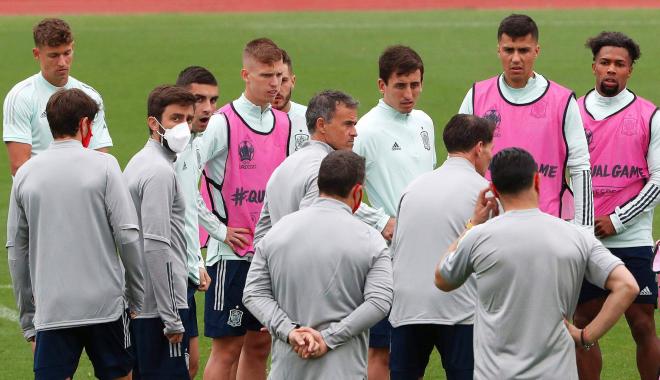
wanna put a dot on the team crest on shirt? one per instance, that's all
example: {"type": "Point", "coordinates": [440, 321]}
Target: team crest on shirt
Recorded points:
{"type": "Point", "coordinates": [425, 140]}
{"type": "Point", "coordinates": [300, 139]}
{"type": "Point", "coordinates": [235, 317]}
{"type": "Point", "coordinates": [246, 154]}
{"type": "Point", "coordinates": [590, 138]}
{"type": "Point", "coordinates": [538, 109]}
{"type": "Point", "coordinates": [629, 126]}
{"type": "Point", "coordinates": [494, 117]}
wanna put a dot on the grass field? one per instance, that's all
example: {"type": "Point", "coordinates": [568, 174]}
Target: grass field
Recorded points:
{"type": "Point", "coordinates": [124, 57]}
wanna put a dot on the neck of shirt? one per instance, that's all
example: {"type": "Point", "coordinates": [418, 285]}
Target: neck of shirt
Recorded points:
{"type": "Point", "coordinates": [600, 106]}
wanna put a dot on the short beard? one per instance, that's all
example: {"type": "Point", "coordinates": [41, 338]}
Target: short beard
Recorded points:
{"type": "Point", "coordinates": [609, 91]}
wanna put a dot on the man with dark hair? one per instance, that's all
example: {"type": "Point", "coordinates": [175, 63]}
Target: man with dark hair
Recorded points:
{"type": "Point", "coordinates": [539, 115]}
{"type": "Point", "coordinates": [203, 85]}
{"type": "Point", "coordinates": [352, 286]}
{"type": "Point", "coordinates": [69, 214]}
{"type": "Point", "coordinates": [398, 143]}
{"type": "Point", "coordinates": [623, 132]}
{"type": "Point", "coordinates": [25, 128]}
{"type": "Point", "coordinates": [160, 345]}
{"type": "Point", "coordinates": [332, 116]}
{"type": "Point", "coordinates": [528, 280]}
{"type": "Point", "coordinates": [245, 141]}
{"type": "Point", "coordinates": [283, 103]}
{"type": "Point", "coordinates": [432, 213]}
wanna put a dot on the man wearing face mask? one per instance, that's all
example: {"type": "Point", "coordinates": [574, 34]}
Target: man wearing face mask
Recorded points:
{"type": "Point", "coordinates": [159, 342]}
{"type": "Point", "coordinates": [244, 143]}
{"type": "Point", "coordinates": [203, 85]}
{"type": "Point", "coordinates": [69, 214]}
{"type": "Point", "coordinates": [295, 111]}
{"type": "Point", "coordinates": [25, 128]}
{"type": "Point", "coordinates": [332, 116]}
{"type": "Point", "coordinates": [398, 142]}
{"type": "Point", "coordinates": [623, 132]}
{"type": "Point", "coordinates": [352, 280]}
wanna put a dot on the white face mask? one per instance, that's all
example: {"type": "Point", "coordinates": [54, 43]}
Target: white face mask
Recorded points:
{"type": "Point", "coordinates": [177, 137]}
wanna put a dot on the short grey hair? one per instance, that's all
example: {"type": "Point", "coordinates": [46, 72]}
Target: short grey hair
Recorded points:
{"type": "Point", "coordinates": [324, 105]}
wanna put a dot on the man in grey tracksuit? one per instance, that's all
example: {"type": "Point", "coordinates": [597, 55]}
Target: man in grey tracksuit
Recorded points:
{"type": "Point", "coordinates": [336, 280]}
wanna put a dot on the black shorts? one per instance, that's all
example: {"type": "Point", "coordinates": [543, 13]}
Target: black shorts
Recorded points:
{"type": "Point", "coordinates": [157, 358]}
{"type": "Point", "coordinates": [412, 346]}
{"type": "Point", "coordinates": [380, 334]}
{"type": "Point", "coordinates": [639, 261]}
{"type": "Point", "coordinates": [189, 316]}
{"type": "Point", "coordinates": [224, 312]}
{"type": "Point", "coordinates": [107, 345]}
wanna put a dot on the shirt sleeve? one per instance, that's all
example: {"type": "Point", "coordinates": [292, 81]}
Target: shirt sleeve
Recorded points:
{"type": "Point", "coordinates": [649, 197]}
{"type": "Point", "coordinates": [578, 166]}
{"type": "Point", "coordinates": [456, 266]}
{"type": "Point", "coordinates": [209, 221]}
{"type": "Point", "coordinates": [264, 224]}
{"type": "Point", "coordinates": [600, 263]}
{"type": "Point", "coordinates": [378, 295]}
{"type": "Point", "coordinates": [156, 207]}
{"type": "Point", "coordinates": [19, 265]}
{"type": "Point", "coordinates": [466, 106]}
{"type": "Point", "coordinates": [259, 300]}
{"type": "Point", "coordinates": [16, 125]}
{"type": "Point", "coordinates": [375, 217]}
{"type": "Point", "coordinates": [124, 221]}
{"type": "Point", "coordinates": [100, 133]}
{"type": "Point", "coordinates": [214, 140]}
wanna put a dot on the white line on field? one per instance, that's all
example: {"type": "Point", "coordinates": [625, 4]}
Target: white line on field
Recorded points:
{"type": "Point", "coordinates": [8, 314]}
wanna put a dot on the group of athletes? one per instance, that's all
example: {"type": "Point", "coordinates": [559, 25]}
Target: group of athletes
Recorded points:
{"type": "Point", "coordinates": [540, 215]}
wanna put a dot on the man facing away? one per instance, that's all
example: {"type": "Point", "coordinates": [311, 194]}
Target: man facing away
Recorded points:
{"type": "Point", "coordinates": [25, 129]}
{"type": "Point", "coordinates": [160, 345]}
{"type": "Point", "coordinates": [539, 115]}
{"type": "Point", "coordinates": [529, 267]}
{"type": "Point", "coordinates": [336, 280]}
{"type": "Point", "coordinates": [432, 213]}
{"type": "Point", "coordinates": [331, 116]}
{"type": "Point", "coordinates": [245, 141]}
{"type": "Point", "coordinates": [283, 102]}
{"type": "Point", "coordinates": [623, 132]}
{"type": "Point", "coordinates": [203, 85]}
{"type": "Point", "coordinates": [69, 213]}
{"type": "Point", "coordinates": [398, 142]}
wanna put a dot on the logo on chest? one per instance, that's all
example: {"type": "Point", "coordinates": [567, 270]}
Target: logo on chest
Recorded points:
{"type": "Point", "coordinates": [425, 140]}
{"type": "Point", "coordinates": [300, 139]}
{"type": "Point", "coordinates": [590, 138]}
{"type": "Point", "coordinates": [494, 117]}
{"type": "Point", "coordinates": [629, 126]}
{"type": "Point", "coordinates": [538, 109]}
{"type": "Point", "coordinates": [246, 155]}
{"type": "Point", "coordinates": [396, 146]}
{"type": "Point", "coordinates": [43, 114]}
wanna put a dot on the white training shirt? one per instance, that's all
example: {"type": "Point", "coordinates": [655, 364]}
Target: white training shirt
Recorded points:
{"type": "Point", "coordinates": [637, 231]}
{"type": "Point", "coordinates": [299, 131]}
{"type": "Point", "coordinates": [24, 111]}
{"type": "Point", "coordinates": [397, 148]}
{"type": "Point", "coordinates": [578, 150]}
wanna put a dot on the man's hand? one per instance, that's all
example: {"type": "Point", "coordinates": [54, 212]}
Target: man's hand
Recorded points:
{"type": "Point", "coordinates": [604, 227]}
{"type": "Point", "coordinates": [33, 344]}
{"type": "Point", "coordinates": [204, 280]}
{"type": "Point", "coordinates": [311, 351]}
{"type": "Point", "coordinates": [388, 230]}
{"type": "Point", "coordinates": [485, 208]}
{"type": "Point", "coordinates": [174, 338]}
{"type": "Point", "coordinates": [574, 331]}
{"type": "Point", "coordinates": [303, 342]}
{"type": "Point", "coordinates": [132, 314]}
{"type": "Point", "coordinates": [237, 237]}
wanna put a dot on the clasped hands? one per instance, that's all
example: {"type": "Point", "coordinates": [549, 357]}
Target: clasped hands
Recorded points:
{"type": "Point", "coordinates": [307, 343]}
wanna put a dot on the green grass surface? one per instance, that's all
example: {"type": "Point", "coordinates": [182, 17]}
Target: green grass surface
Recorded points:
{"type": "Point", "coordinates": [124, 57]}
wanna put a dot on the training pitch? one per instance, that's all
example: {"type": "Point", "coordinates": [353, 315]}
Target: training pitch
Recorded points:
{"type": "Point", "coordinates": [124, 57]}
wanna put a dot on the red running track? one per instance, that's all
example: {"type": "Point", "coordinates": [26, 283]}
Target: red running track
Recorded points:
{"type": "Point", "coordinates": [31, 7]}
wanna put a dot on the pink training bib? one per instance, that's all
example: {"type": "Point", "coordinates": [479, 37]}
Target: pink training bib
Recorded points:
{"type": "Point", "coordinates": [537, 127]}
{"type": "Point", "coordinates": [618, 146]}
{"type": "Point", "coordinates": [251, 159]}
